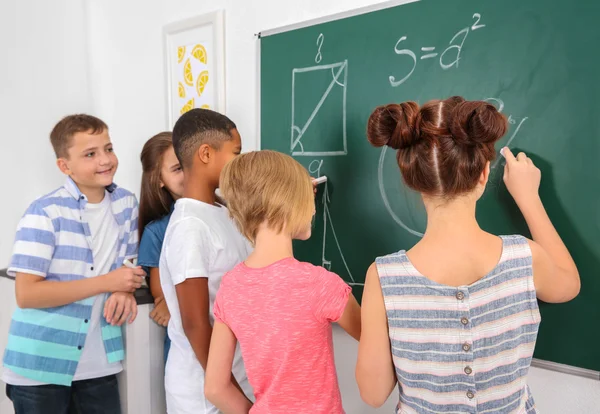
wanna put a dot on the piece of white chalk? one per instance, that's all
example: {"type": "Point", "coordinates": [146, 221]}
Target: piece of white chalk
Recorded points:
{"type": "Point", "coordinates": [128, 264]}
{"type": "Point", "coordinates": [502, 152]}
{"type": "Point", "coordinates": [320, 180]}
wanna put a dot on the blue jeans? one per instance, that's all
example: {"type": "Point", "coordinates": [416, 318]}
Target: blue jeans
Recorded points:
{"type": "Point", "coordinates": [94, 396]}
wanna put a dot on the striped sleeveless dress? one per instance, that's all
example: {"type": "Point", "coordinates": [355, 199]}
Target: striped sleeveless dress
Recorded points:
{"type": "Point", "coordinates": [463, 349]}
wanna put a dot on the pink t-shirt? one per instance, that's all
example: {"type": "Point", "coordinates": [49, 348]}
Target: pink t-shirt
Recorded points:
{"type": "Point", "coordinates": [281, 315]}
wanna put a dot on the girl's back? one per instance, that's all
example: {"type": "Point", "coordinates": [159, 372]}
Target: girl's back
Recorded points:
{"type": "Point", "coordinates": [454, 321]}
{"type": "Point", "coordinates": [281, 315]}
{"type": "Point", "coordinates": [466, 348]}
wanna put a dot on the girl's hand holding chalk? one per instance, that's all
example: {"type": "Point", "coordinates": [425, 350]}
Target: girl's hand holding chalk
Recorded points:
{"type": "Point", "coordinates": [319, 180]}
{"type": "Point", "coordinates": [521, 177]}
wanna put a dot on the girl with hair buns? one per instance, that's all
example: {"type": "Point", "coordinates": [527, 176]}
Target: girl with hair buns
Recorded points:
{"type": "Point", "coordinates": [453, 321]}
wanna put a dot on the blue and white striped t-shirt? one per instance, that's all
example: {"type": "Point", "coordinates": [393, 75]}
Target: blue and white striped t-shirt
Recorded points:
{"type": "Point", "coordinates": [54, 241]}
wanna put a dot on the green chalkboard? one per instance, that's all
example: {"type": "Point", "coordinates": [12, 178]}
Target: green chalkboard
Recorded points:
{"type": "Point", "coordinates": [536, 59]}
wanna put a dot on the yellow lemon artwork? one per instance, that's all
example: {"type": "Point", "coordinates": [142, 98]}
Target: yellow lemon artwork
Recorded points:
{"type": "Point", "coordinates": [205, 106]}
{"type": "Point", "coordinates": [180, 53]}
{"type": "Point", "coordinates": [188, 106]}
{"type": "Point", "coordinates": [188, 77]}
{"type": "Point", "coordinates": [201, 82]}
{"type": "Point", "coordinates": [199, 52]}
{"type": "Point", "coordinates": [181, 90]}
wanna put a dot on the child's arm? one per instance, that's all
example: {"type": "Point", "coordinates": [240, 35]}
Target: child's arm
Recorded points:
{"type": "Point", "coordinates": [350, 320]}
{"type": "Point", "coordinates": [218, 387]}
{"type": "Point", "coordinates": [555, 274]}
{"type": "Point", "coordinates": [375, 373]}
{"type": "Point", "coordinates": [187, 251]}
{"type": "Point", "coordinates": [193, 298]}
{"type": "Point", "coordinates": [120, 306]}
{"type": "Point", "coordinates": [332, 301]}
{"type": "Point", "coordinates": [33, 253]}
{"type": "Point", "coordinates": [160, 314]}
{"type": "Point", "coordinates": [149, 257]}
{"type": "Point", "coordinates": [34, 291]}
{"type": "Point", "coordinates": [155, 287]}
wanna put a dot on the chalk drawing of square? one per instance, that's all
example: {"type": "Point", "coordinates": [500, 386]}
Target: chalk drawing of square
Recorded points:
{"type": "Point", "coordinates": [330, 86]}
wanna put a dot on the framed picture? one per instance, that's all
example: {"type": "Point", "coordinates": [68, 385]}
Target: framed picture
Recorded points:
{"type": "Point", "coordinates": [195, 65]}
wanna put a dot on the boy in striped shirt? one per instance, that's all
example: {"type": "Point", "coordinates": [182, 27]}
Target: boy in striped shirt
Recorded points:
{"type": "Point", "coordinates": [65, 343]}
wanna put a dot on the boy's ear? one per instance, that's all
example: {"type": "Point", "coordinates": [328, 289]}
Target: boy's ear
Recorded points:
{"type": "Point", "coordinates": [63, 166]}
{"type": "Point", "coordinates": [204, 153]}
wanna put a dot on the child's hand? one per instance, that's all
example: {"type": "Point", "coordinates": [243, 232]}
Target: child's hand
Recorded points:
{"type": "Point", "coordinates": [522, 178]}
{"type": "Point", "coordinates": [160, 314]}
{"type": "Point", "coordinates": [118, 307]}
{"type": "Point", "coordinates": [125, 279]}
{"type": "Point", "coordinates": [315, 184]}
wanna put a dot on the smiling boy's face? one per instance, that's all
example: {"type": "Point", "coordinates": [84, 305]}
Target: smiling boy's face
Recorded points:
{"type": "Point", "coordinates": [91, 161]}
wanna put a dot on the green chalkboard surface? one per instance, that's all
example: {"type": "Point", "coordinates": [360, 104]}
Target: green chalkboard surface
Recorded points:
{"type": "Point", "coordinates": [536, 60]}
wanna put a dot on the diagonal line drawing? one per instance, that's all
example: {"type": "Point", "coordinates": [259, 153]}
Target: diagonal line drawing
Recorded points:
{"type": "Point", "coordinates": [316, 110]}
{"type": "Point", "coordinates": [339, 73]}
{"type": "Point", "coordinates": [328, 222]}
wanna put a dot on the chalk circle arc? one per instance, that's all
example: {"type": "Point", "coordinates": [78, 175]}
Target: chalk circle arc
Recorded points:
{"type": "Point", "coordinates": [385, 199]}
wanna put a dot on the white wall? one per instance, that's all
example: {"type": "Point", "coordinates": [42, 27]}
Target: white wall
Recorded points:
{"type": "Point", "coordinates": [43, 76]}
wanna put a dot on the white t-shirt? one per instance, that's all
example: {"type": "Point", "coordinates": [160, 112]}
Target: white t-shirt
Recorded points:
{"type": "Point", "coordinates": [105, 237]}
{"type": "Point", "coordinates": [201, 241]}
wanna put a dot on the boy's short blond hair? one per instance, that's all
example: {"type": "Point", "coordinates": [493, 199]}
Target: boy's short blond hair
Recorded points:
{"type": "Point", "coordinates": [268, 186]}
